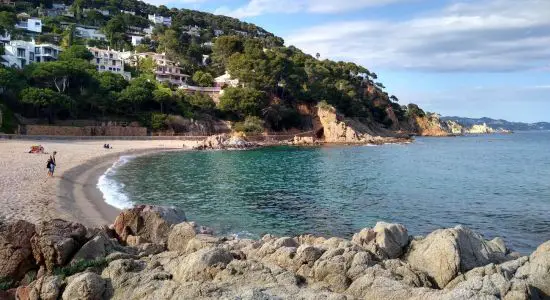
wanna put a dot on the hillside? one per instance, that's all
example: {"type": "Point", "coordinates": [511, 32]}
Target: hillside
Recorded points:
{"type": "Point", "coordinates": [507, 125]}
{"type": "Point", "coordinates": [128, 61]}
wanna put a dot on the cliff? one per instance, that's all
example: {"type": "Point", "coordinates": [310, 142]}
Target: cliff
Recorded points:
{"type": "Point", "coordinates": [154, 253]}
{"type": "Point", "coordinates": [431, 125]}
{"type": "Point", "coordinates": [484, 129]}
{"type": "Point", "coordinates": [332, 127]}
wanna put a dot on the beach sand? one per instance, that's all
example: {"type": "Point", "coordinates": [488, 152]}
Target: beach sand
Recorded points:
{"type": "Point", "coordinates": [27, 193]}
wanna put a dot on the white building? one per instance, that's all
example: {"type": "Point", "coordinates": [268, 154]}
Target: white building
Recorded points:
{"type": "Point", "coordinates": [90, 33]}
{"type": "Point", "coordinates": [109, 61]}
{"type": "Point", "coordinates": [160, 20]}
{"type": "Point", "coordinates": [225, 80]}
{"type": "Point", "coordinates": [193, 30]}
{"type": "Point", "coordinates": [239, 32]}
{"type": "Point", "coordinates": [30, 24]}
{"type": "Point", "coordinates": [18, 54]}
{"type": "Point", "coordinates": [218, 32]}
{"type": "Point", "coordinates": [136, 40]}
{"type": "Point", "coordinates": [165, 69]}
{"type": "Point", "coordinates": [128, 12]}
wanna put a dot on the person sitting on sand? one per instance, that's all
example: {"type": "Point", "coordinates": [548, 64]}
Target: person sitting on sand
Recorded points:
{"type": "Point", "coordinates": [51, 164]}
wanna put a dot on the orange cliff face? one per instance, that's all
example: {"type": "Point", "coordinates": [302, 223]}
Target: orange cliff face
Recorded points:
{"type": "Point", "coordinates": [431, 125]}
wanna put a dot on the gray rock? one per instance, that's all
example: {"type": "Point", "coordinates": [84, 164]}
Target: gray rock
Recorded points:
{"type": "Point", "coordinates": [536, 271]}
{"type": "Point", "coordinates": [84, 286]}
{"type": "Point", "coordinates": [202, 265]}
{"type": "Point", "coordinates": [385, 239]}
{"type": "Point", "coordinates": [45, 288]}
{"type": "Point", "coordinates": [180, 235]}
{"type": "Point", "coordinates": [445, 253]}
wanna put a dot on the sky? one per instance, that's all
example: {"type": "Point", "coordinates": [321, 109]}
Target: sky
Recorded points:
{"type": "Point", "coordinates": [469, 58]}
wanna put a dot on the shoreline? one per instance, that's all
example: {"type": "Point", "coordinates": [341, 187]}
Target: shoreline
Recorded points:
{"type": "Point", "coordinates": [79, 196]}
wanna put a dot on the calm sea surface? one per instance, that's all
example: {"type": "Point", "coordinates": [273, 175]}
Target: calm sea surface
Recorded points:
{"type": "Point", "coordinates": [498, 185]}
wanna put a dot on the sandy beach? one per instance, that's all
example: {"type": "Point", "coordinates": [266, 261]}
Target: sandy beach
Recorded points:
{"type": "Point", "coordinates": [27, 193]}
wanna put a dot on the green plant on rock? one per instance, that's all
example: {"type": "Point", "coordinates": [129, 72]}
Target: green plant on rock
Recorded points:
{"type": "Point", "coordinates": [5, 283]}
{"type": "Point", "coordinates": [80, 266]}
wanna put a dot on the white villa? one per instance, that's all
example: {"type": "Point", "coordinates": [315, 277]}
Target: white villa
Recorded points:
{"type": "Point", "coordinates": [18, 54]}
{"type": "Point", "coordinates": [165, 69]}
{"type": "Point", "coordinates": [218, 32]}
{"type": "Point", "coordinates": [109, 61]}
{"type": "Point", "coordinates": [136, 40]}
{"type": "Point", "coordinates": [160, 20]}
{"type": "Point", "coordinates": [193, 30]}
{"type": "Point", "coordinates": [90, 33]}
{"type": "Point", "coordinates": [225, 80]}
{"type": "Point", "coordinates": [30, 24]}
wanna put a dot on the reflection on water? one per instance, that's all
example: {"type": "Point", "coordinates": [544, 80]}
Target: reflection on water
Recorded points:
{"type": "Point", "coordinates": [497, 185]}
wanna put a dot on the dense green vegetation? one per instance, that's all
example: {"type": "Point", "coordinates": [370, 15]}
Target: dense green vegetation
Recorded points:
{"type": "Point", "coordinates": [273, 79]}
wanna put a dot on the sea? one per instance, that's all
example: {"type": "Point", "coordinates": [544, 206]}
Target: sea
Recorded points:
{"type": "Point", "coordinates": [497, 185]}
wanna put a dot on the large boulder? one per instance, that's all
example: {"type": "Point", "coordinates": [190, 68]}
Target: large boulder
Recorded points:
{"type": "Point", "coordinates": [536, 271]}
{"type": "Point", "coordinates": [150, 223]}
{"type": "Point", "coordinates": [98, 247]}
{"type": "Point", "coordinates": [56, 241]}
{"type": "Point", "coordinates": [445, 253]}
{"type": "Point", "coordinates": [180, 236]}
{"type": "Point", "coordinates": [84, 286]}
{"type": "Point", "coordinates": [386, 240]}
{"type": "Point", "coordinates": [45, 288]}
{"type": "Point", "coordinates": [15, 249]}
{"type": "Point", "coordinates": [225, 141]}
{"type": "Point", "coordinates": [201, 265]}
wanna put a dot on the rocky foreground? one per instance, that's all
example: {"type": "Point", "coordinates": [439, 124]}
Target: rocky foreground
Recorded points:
{"type": "Point", "coordinates": [152, 253]}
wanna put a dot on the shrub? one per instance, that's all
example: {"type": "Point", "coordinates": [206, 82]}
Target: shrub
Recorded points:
{"type": "Point", "coordinates": [80, 266]}
{"type": "Point", "coordinates": [158, 121]}
{"type": "Point", "coordinates": [5, 283]}
{"type": "Point", "coordinates": [251, 124]}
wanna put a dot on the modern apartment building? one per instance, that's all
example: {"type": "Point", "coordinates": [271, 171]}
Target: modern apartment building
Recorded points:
{"type": "Point", "coordinates": [30, 24]}
{"type": "Point", "coordinates": [160, 20]}
{"type": "Point", "coordinates": [109, 61]}
{"type": "Point", "coordinates": [18, 54]}
{"type": "Point", "coordinates": [90, 33]}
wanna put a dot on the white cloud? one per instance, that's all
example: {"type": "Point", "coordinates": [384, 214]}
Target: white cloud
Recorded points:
{"type": "Point", "coordinates": [489, 35]}
{"type": "Point", "coordinates": [259, 7]}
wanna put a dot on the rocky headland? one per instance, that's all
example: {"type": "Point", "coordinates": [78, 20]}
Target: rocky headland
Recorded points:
{"type": "Point", "coordinates": [154, 253]}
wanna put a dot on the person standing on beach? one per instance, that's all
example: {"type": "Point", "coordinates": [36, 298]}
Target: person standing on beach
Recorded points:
{"type": "Point", "coordinates": [51, 164]}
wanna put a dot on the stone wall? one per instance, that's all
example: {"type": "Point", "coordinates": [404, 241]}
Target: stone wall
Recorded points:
{"type": "Point", "coordinates": [83, 131]}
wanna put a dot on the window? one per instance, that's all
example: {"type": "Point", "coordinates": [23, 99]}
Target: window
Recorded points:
{"type": "Point", "coordinates": [97, 61]}
{"type": "Point", "coordinates": [102, 67]}
{"type": "Point", "coordinates": [37, 50]}
{"type": "Point", "coordinates": [20, 52]}
{"type": "Point", "coordinates": [113, 62]}
{"type": "Point", "coordinates": [96, 54]}
{"type": "Point", "coordinates": [110, 69]}
{"type": "Point", "coordinates": [38, 59]}
{"type": "Point", "coordinates": [110, 55]}
{"type": "Point", "coordinates": [37, 24]}
{"type": "Point", "coordinates": [31, 56]}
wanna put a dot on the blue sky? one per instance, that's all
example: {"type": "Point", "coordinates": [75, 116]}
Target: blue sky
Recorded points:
{"type": "Point", "coordinates": [470, 58]}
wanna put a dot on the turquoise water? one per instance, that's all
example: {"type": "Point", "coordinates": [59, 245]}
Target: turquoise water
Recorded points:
{"type": "Point", "coordinates": [498, 185]}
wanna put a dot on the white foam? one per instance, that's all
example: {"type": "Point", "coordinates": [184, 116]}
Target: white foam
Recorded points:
{"type": "Point", "coordinates": [111, 189]}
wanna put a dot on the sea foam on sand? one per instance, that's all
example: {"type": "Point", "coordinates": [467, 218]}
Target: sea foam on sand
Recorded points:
{"type": "Point", "coordinates": [112, 190]}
